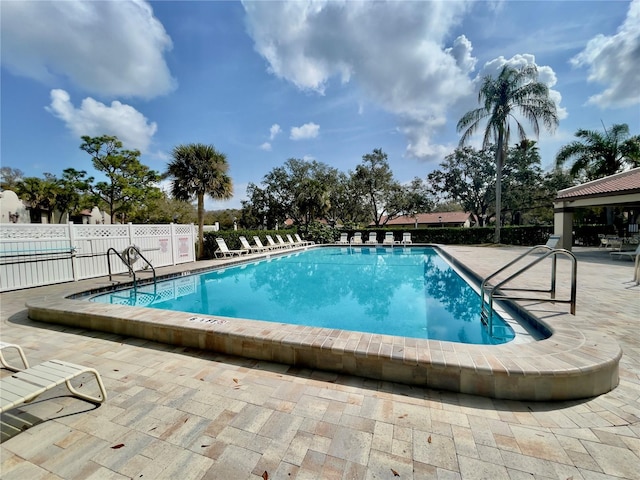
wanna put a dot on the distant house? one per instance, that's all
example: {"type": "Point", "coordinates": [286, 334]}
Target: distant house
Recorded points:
{"type": "Point", "coordinates": [424, 220]}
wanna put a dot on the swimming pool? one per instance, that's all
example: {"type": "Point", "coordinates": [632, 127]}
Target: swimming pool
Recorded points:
{"type": "Point", "coordinates": [554, 358]}
{"type": "Point", "coordinates": [408, 292]}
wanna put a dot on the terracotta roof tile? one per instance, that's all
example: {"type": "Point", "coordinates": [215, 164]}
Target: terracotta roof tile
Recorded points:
{"type": "Point", "coordinates": [625, 182]}
{"type": "Point", "coordinates": [431, 218]}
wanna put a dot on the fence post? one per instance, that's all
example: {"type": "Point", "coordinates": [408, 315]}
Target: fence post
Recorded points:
{"type": "Point", "coordinates": [130, 229]}
{"type": "Point", "coordinates": [173, 243]}
{"type": "Point", "coordinates": [72, 249]}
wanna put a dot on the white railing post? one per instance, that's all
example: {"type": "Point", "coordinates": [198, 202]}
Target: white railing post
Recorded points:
{"type": "Point", "coordinates": [130, 232]}
{"type": "Point", "coordinates": [172, 236]}
{"type": "Point", "coordinates": [72, 250]}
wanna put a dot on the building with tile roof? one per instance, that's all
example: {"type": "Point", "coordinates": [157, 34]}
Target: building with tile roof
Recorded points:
{"type": "Point", "coordinates": [438, 219]}
{"type": "Point", "coordinates": [619, 190]}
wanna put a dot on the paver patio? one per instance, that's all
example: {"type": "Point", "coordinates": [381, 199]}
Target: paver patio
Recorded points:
{"type": "Point", "coordinates": [184, 413]}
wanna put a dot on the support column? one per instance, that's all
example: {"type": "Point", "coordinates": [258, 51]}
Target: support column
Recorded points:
{"type": "Point", "coordinates": [563, 226]}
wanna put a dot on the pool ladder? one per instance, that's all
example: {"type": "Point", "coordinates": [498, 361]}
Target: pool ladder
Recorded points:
{"type": "Point", "coordinates": [129, 256]}
{"type": "Point", "coordinates": [490, 291]}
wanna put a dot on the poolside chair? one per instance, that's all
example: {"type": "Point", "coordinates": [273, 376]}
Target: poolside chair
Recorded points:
{"type": "Point", "coordinates": [631, 254]}
{"type": "Point", "coordinates": [223, 250]}
{"type": "Point", "coordinates": [373, 238]}
{"type": "Point", "coordinates": [259, 244]}
{"type": "Point", "coordinates": [272, 243]}
{"type": "Point", "coordinates": [251, 248]}
{"type": "Point", "coordinates": [344, 239]}
{"type": "Point", "coordinates": [356, 239]}
{"type": "Point", "coordinates": [19, 351]}
{"type": "Point", "coordinates": [389, 239]}
{"type": "Point", "coordinates": [282, 242]}
{"type": "Point", "coordinates": [406, 238]}
{"type": "Point", "coordinates": [26, 385]}
{"type": "Point", "coordinates": [304, 242]}
{"type": "Point", "coordinates": [292, 241]}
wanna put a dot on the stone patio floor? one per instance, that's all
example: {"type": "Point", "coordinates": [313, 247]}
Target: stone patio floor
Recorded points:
{"type": "Point", "coordinates": [190, 414]}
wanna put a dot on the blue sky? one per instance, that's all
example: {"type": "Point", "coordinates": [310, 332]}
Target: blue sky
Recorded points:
{"type": "Point", "coordinates": [267, 81]}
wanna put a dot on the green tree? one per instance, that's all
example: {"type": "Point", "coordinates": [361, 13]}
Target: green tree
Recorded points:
{"type": "Point", "coordinates": [467, 177]}
{"type": "Point", "coordinates": [165, 209]}
{"type": "Point", "coordinates": [130, 184]}
{"type": "Point", "coordinates": [513, 91]}
{"type": "Point", "coordinates": [195, 171]}
{"type": "Point", "coordinates": [597, 155]}
{"type": "Point", "coordinates": [373, 179]}
{"type": "Point", "coordinates": [9, 177]}
{"type": "Point", "coordinates": [299, 190]}
{"type": "Point", "coordinates": [40, 194]}
{"type": "Point", "coordinates": [523, 178]}
{"type": "Point", "coordinates": [73, 190]}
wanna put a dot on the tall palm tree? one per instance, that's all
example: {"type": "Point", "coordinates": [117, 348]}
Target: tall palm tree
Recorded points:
{"type": "Point", "coordinates": [599, 155]}
{"type": "Point", "coordinates": [513, 91]}
{"type": "Point", "coordinates": [198, 170]}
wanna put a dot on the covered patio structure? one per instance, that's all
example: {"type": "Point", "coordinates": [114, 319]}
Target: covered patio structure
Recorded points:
{"type": "Point", "coordinates": [619, 190]}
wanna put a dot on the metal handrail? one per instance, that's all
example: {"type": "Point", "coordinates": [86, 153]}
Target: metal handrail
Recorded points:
{"type": "Point", "coordinates": [486, 315]}
{"type": "Point", "coordinates": [129, 261]}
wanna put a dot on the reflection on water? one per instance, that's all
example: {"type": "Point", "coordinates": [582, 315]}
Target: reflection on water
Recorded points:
{"type": "Point", "coordinates": [398, 291]}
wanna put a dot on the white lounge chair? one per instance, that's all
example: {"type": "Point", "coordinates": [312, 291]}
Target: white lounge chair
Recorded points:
{"type": "Point", "coordinates": [292, 241]}
{"type": "Point", "coordinates": [373, 238]}
{"type": "Point", "coordinates": [19, 351]}
{"type": "Point", "coordinates": [281, 242]}
{"type": "Point", "coordinates": [259, 244]}
{"type": "Point", "coordinates": [251, 248]}
{"type": "Point", "coordinates": [389, 239]}
{"type": "Point", "coordinates": [272, 243]}
{"type": "Point", "coordinates": [631, 254]}
{"type": "Point", "coordinates": [356, 239]}
{"type": "Point", "coordinates": [224, 251]}
{"type": "Point", "coordinates": [304, 242]}
{"type": "Point", "coordinates": [344, 239]}
{"type": "Point", "coordinates": [26, 385]}
{"type": "Point", "coordinates": [406, 238]}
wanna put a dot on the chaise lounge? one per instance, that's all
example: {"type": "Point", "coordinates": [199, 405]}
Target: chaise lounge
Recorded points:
{"type": "Point", "coordinates": [26, 385]}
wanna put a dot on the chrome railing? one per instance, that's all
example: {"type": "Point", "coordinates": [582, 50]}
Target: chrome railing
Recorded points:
{"type": "Point", "coordinates": [489, 292]}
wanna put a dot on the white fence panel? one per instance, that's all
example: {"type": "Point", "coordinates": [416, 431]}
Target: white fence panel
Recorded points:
{"type": "Point", "coordinates": [35, 254]}
{"type": "Point", "coordinates": [92, 244]}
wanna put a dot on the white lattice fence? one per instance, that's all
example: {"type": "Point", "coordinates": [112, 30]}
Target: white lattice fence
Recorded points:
{"type": "Point", "coordinates": [34, 254]}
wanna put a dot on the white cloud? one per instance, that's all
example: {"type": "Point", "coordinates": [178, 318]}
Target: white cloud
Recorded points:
{"type": "Point", "coordinates": [308, 130]}
{"type": "Point", "coordinates": [266, 146]}
{"type": "Point", "coordinates": [461, 51]}
{"type": "Point", "coordinates": [614, 61]}
{"type": "Point", "coordinates": [94, 118]}
{"type": "Point", "coordinates": [106, 48]}
{"type": "Point", "coordinates": [274, 130]}
{"type": "Point", "coordinates": [546, 75]}
{"type": "Point", "coordinates": [394, 51]}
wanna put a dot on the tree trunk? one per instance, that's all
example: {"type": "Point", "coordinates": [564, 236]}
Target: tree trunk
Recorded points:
{"type": "Point", "coordinates": [499, 165]}
{"type": "Point", "coordinates": [200, 226]}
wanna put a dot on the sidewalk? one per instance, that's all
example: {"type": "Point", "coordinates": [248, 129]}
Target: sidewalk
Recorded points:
{"type": "Point", "coordinates": [191, 414]}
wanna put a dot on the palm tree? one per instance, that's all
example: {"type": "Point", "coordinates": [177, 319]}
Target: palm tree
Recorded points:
{"type": "Point", "coordinates": [513, 91]}
{"type": "Point", "coordinates": [199, 170]}
{"type": "Point", "coordinates": [599, 155]}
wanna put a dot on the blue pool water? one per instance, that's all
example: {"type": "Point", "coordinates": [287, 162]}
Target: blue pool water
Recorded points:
{"type": "Point", "coordinates": [409, 292]}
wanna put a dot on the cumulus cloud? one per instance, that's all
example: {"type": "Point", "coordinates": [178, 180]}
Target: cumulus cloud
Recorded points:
{"type": "Point", "coordinates": [395, 51]}
{"type": "Point", "coordinates": [266, 146]}
{"type": "Point", "coordinates": [106, 48]}
{"type": "Point", "coordinates": [614, 61]}
{"type": "Point", "coordinates": [308, 130]}
{"type": "Point", "coordinates": [274, 130]}
{"type": "Point", "coordinates": [546, 75]}
{"type": "Point", "coordinates": [94, 118]}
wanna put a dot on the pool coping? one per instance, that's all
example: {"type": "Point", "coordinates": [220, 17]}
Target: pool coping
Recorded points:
{"type": "Point", "coordinates": [569, 364]}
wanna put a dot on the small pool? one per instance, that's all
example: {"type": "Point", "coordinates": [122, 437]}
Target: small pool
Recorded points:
{"type": "Point", "coordinates": [408, 292]}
